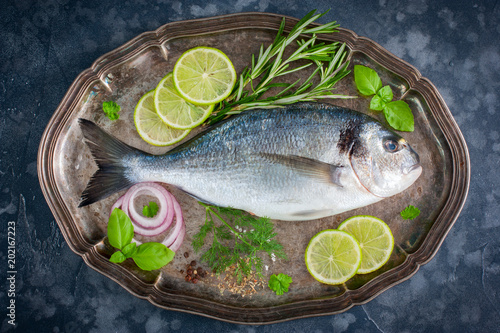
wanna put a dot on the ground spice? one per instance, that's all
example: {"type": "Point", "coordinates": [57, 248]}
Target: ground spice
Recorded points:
{"type": "Point", "coordinates": [248, 286]}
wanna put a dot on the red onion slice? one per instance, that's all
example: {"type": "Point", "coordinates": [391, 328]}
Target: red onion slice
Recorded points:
{"type": "Point", "coordinates": [118, 204]}
{"type": "Point", "coordinates": [165, 213]}
{"type": "Point", "coordinates": [179, 224]}
{"type": "Point", "coordinates": [168, 209]}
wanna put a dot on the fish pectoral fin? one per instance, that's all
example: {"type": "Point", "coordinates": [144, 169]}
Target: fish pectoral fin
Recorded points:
{"type": "Point", "coordinates": [309, 167]}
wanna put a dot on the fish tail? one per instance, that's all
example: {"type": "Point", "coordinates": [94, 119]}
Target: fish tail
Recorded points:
{"type": "Point", "coordinates": [109, 154]}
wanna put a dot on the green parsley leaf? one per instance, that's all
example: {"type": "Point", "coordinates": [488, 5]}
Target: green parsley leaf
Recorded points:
{"type": "Point", "coordinates": [117, 257]}
{"type": "Point", "coordinates": [399, 116]}
{"type": "Point", "coordinates": [410, 212]}
{"type": "Point", "coordinates": [367, 80]}
{"type": "Point", "coordinates": [385, 93]}
{"type": "Point", "coordinates": [377, 103]}
{"type": "Point", "coordinates": [111, 110]}
{"type": "Point", "coordinates": [120, 229]}
{"type": "Point", "coordinates": [279, 283]}
{"type": "Point", "coordinates": [151, 210]}
{"type": "Point", "coordinates": [152, 255]}
{"type": "Point", "coordinates": [130, 250]}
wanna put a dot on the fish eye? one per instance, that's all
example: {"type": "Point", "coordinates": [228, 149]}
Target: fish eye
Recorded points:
{"type": "Point", "coordinates": [391, 146]}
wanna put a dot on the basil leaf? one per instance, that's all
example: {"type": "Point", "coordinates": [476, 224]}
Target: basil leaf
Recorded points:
{"type": "Point", "coordinates": [367, 80]}
{"type": "Point", "coordinates": [152, 256]}
{"type": "Point", "coordinates": [151, 210]}
{"type": "Point", "coordinates": [385, 93]}
{"type": "Point", "coordinates": [117, 257]}
{"type": "Point", "coordinates": [120, 229]}
{"type": "Point", "coordinates": [130, 250]}
{"type": "Point", "coordinates": [399, 116]}
{"type": "Point", "coordinates": [377, 103]}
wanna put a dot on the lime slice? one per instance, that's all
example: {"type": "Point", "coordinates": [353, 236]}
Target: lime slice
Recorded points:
{"type": "Point", "coordinates": [204, 75]}
{"type": "Point", "coordinates": [375, 239]}
{"type": "Point", "coordinates": [150, 127]}
{"type": "Point", "coordinates": [174, 110]}
{"type": "Point", "coordinates": [333, 256]}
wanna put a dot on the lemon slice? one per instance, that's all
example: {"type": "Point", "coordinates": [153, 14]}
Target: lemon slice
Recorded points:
{"type": "Point", "coordinates": [204, 75]}
{"type": "Point", "coordinates": [333, 256]}
{"type": "Point", "coordinates": [174, 110]}
{"type": "Point", "coordinates": [150, 127]}
{"type": "Point", "coordinates": [375, 239]}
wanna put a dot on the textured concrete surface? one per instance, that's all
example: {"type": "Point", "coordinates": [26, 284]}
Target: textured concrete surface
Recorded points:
{"type": "Point", "coordinates": [44, 45]}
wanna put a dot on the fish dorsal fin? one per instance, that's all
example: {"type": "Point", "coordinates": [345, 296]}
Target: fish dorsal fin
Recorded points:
{"type": "Point", "coordinates": [309, 167]}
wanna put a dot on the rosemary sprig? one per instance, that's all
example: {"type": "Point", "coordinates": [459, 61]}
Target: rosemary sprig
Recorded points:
{"type": "Point", "coordinates": [238, 240]}
{"type": "Point", "coordinates": [259, 78]}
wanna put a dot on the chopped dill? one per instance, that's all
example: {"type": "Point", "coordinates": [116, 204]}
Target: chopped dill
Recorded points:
{"type": "Point", "coordinates": [238, 240]}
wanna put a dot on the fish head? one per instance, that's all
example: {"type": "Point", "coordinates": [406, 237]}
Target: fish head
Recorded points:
{"type": "Point", "coordinates": [383, 161]}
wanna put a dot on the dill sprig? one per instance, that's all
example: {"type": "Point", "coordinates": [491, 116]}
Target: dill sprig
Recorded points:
{"type": "Point", "coordinates": [238, 240]}
{"type": "Point", "coordinates": [259, 78]}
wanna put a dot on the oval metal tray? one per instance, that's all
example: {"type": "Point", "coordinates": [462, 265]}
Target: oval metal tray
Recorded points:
{"type": "Point", "coordinates": [123, 75]}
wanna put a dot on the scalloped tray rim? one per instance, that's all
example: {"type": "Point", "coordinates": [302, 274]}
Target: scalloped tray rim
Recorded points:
{"type": "Point", "coordinates": [301, 309]}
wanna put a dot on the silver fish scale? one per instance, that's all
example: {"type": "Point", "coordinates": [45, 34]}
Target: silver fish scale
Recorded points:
{"type": "Point", "coordinates": [227, 165]}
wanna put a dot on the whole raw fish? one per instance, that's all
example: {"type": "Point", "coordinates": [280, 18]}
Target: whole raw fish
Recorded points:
{"type": "Point", "coordinates": [302, 162]}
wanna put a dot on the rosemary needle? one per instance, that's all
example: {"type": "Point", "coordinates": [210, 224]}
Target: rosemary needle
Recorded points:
{"type": "Point", "coordinates": [329, 60]}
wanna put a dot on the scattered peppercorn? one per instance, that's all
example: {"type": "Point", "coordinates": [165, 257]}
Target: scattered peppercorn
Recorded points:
{"type": "Point", "coordinates": [193, 274]}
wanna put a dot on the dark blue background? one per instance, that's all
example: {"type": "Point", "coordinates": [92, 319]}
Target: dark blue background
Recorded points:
{"type": "Point", "coordinates": [44, 45]}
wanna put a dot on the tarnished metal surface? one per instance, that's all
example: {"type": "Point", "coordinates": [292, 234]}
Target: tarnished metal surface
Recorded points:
{"type": "Point", "coordinates": [124, 75]}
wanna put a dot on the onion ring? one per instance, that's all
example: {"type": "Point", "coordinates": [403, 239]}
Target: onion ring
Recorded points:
{"type": "Point", "coordinates": [150, 227]}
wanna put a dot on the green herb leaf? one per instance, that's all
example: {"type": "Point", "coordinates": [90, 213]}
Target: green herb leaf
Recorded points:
{"type": "Point", "coordinates": [329, 59]}
{"type": "Point", "coordinates": [151, 210]}
{"type": "Point", "coordinates": [377, 103]}
{"type": "Point", "coordinates": [117, 257]}
{"type": "Point", "coordinates": [410, 212]}
{"type": "Point", "coordinates": [111, 110]}
{"type": "Point", "coordinates": [399, 116]}
{"type": "Point", "coordinates": [367, 80]}
{"type": "Point", "coordinates": [120, 229]}
{"type": "Point", "coordinates": [152, 255]}
{"type": "Point", "coordinates": [237, 241]}
{"type": "Point", "coordinates": [385, 93]}
{"type": "Point", "coordinates": [130, 250]}
{"type": "Point", "coordinates": [279, 283]}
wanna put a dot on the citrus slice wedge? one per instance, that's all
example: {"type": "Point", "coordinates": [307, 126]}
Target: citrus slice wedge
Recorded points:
{"type": "Point", "coordinates": [375, 240]}
{"type": "Point", "coordinates": [204, 75]}
{"type": "Point", "coordinates": [174, 110]}
{"type": "Point", "coordinates": [333, 256]}
{"type": "Point", "coordinates": [149, 125]}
